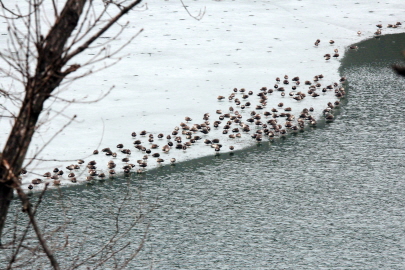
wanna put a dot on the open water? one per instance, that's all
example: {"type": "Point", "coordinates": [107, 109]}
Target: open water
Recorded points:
{"type": "Point", "coordinates": [332, 197]}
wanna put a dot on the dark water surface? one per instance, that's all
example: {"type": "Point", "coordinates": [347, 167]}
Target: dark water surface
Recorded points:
{"type": "Point", "coordinates": [328, 198]}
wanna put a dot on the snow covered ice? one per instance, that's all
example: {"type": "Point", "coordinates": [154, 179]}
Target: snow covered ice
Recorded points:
{"type": "Point", "coordinates": [178, 66]}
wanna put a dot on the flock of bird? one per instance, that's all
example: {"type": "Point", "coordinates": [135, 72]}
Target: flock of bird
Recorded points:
{"type": "Point", "coordinates": [249, 115]}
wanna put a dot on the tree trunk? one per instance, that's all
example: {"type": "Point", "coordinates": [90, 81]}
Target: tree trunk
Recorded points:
{"type": "Point", "coordinates": [6, 195]}
{"type": "Point", "coordinates": [48, 76]}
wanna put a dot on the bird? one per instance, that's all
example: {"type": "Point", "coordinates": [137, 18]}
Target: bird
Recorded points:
{"type": "Point", "coordinates": [36, 181]}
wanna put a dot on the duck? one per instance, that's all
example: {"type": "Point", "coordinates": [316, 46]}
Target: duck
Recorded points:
{"type": "Point", "coordinates": [36, 181]}
{"type": "Point", "coordinates": [93, 173]}
{"type": "Point", "coordinates": [166, 148]}
{"type": "Point", "coordinates": [93, 162]}
{"type": "Point", "coordinates": [329, 117]}
{"type": "Point", "coordinates": [154, 146]}
{"type": "Point", "coordinates": [143, 164]}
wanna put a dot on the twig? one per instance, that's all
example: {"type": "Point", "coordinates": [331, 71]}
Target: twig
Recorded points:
{"type": "Point", "coordinates": [50, 140]}
{"type": "Point", "coordinates": [101, 31]}
{"type": "Point", "coordinates": [200, 14]}
{"type": "Point", "coordinates": [13, 257]}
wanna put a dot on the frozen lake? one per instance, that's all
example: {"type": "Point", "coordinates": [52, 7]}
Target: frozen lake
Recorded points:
{"type": "Point", "coordinates": [178, 67]}
{"type": "Point", "coordinates": [329, 198]}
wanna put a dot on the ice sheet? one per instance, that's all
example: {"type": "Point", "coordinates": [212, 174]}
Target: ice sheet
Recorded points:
{"type": "Point", "coordinates": [178, 66]}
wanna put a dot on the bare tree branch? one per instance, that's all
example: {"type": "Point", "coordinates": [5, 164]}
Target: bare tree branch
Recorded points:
{"type": "Point", "coordinates": [200, 14]}
{"type": "Point", "coordinates": [27, 207]}
{"type": "Point", "coordinates": [101, 31]}
{"type": "Point", "coordinates": [13, 258]}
